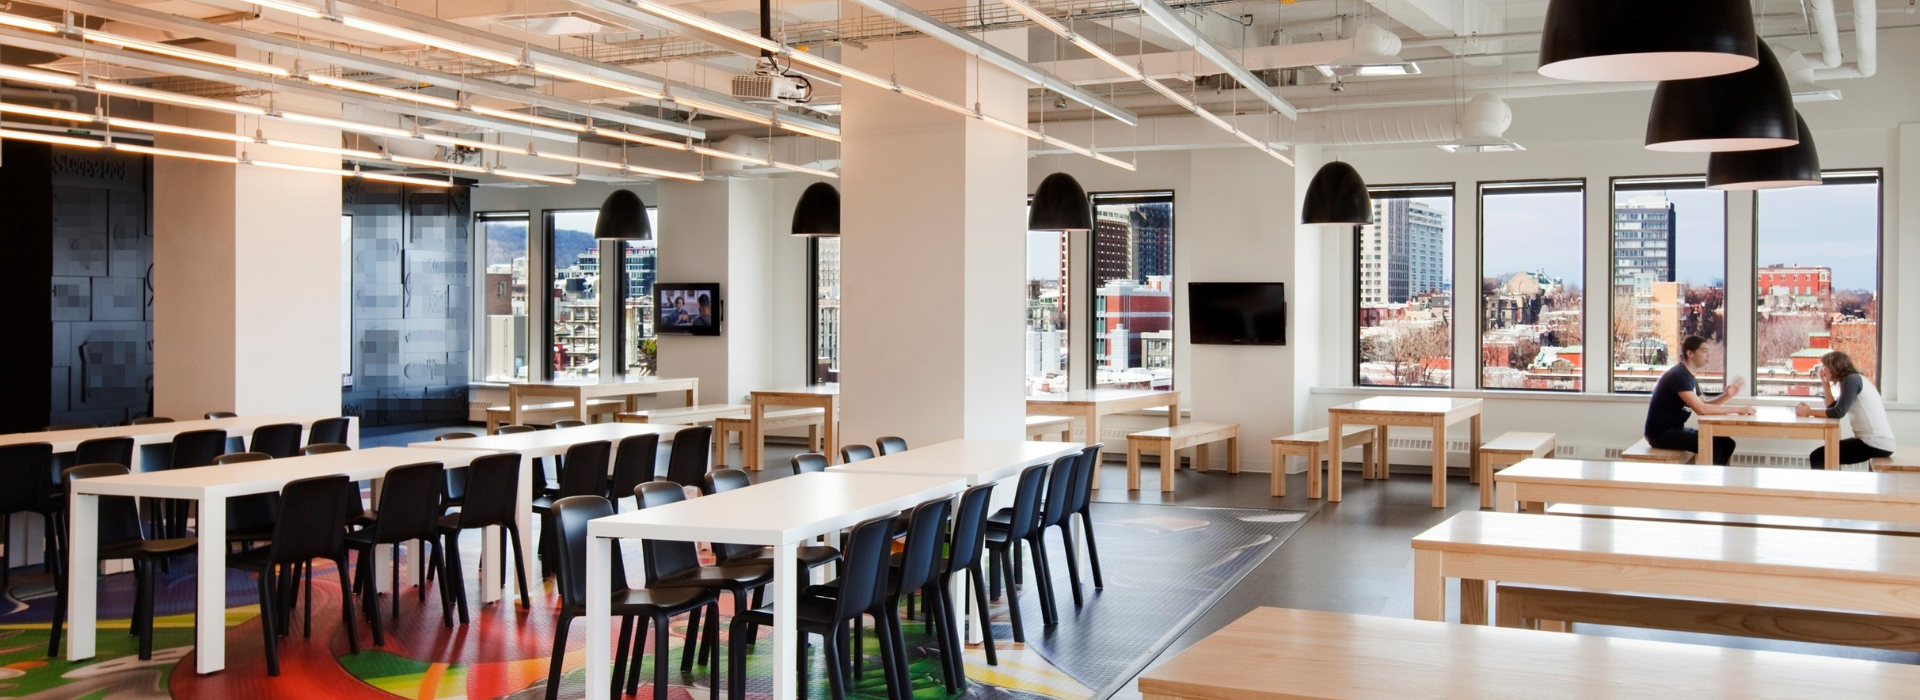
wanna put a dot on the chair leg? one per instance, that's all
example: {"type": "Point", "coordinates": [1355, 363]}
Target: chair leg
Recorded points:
{"type": "Point", "coordinates": [940, 615]}
{"type": "Point", "coordinates": [269, 611]}
{"type": "Point", "coordinates": [143, 604]}
{"type": "Point", "coordinates": [836, 673]}
{"type": "Point", "coordinates": [713, 655]}
{"type": "Point", "coordinates": [394, 569]}
{"type": "Point", "coordinates": [993, 574]}
{"type": "Point", "coordinates": [370, 600]}
{"type": "Point", "coordinates": [661, 665]}
{"type": "Point", "coordinates": [1013, 599]}
{"type": "Point", "coordinates": [306, 571]}
{"type": "Point", "coordinates": [1073, 559]}
{"type": "Point", "coordinates": [346, 606]}
{"type": "Point", "coordinates": [1093, 551]}
{"type": "Point", "coordinates": [737, 660]}
{"type": "Point", "coordinates": [981, 609]}
{"type": "Point", "coordinates": [1043, 580]}
{"type": "Point", "coordinates": [446, 594]}
{"type": "Point", "coordinates": [60, 584]}
{"type": "Point", "coordinates": [519, 565]}
{"type": "Point", "coordinates": [455, 577]}
{"type": "Point", "coordinates": [624, 648]}
{"type": "Point", "coordinates": [629, 676]}
{"type": "Point", "coordinates": [692, 642]}
{"type": "Point", "coordinates": [559, 655]}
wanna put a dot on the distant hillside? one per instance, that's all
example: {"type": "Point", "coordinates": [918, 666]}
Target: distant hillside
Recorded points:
{"type": "Point", "coordinates": [568, 244]}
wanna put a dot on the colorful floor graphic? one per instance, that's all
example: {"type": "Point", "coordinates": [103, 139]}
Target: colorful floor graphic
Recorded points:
{"type": "Point", "coordinates": [1163, 566]}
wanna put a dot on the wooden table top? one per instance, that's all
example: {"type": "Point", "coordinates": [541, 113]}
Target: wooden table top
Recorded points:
{"type": "Point", "coordinates": [1096, 396]}
{"type": "Point", "coordinates": [832, 389]}
{"type": "Point", "coordinates": [976, 461]}
{"type": "Point", "coordinates": [781, 511]}
{"type": "Point", "coordinates": [597, 382]}
{"type": "Point", "coordinates": [1771, 416]}
{"type": "Point", "coordinates": [542, 442]}
{"type": "Point", "coordinates": [1281, 654]}
{"type": "Point", "coordinates": [1830, 555]}
{"type": "Point", "coordinates": [1408, 405]}
{"type": "Point", "coordinates": [1770, 481]}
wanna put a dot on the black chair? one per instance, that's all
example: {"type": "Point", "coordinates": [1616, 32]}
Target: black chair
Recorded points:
{"type": "Point", "coordinates": [120, 538]}
{"type": "Point", "coordinates": [1001, 543]}
{"type": "Point", "coordinates": [456, 435]}
{"type": "Point", "coordinates": [324, 448]}
{"type": "Point", "coordinates": [583, 473]}
{"type": "Point", "coordinates": [216, 415]}
{"type": "Point", "coordinates": [891, 445]}
{"type": "Point", "coordinates": [811, 556]}
{"type": "Point", "coordinates": [809, 462]}
{"type": "Point", "coordinates": [568, 423]}
{"type": "Point", "coordinates": [542, 481]}
{"type": "Point", "coordinates": [26, 486]}
{"type": "Point", "coordinates": [149, 420]}
{"type": "Point", "coordinates": [964, 547]}
{"type": "Point", "coordinates": [634, 460]}
{"type": "Point", "coordinates": [571, 515]}
{"type": "Point", "coordinates": [456, 491]}
{"type": "Point", "coordinates": [328, 431]}
{"type": "Point", "coordinates": [855, 453]}
{"type": "Point", "coordinates": [675, 564]}
{"type": "Point", "coordinates": [409, 511]}
{"type": "Point", "coordinates": [860, 589]}
{"type": "Point", "coordinates": [241, 458]}
{"type": "Point", "coordinates": [1082, 505]}
{"type": "Point", "coordinates": [687, 461]}
{"type": "Point", "coordinates": [278, 441]}
{"type": "Point", "coordinates": [114, 450]}
{"type": "Point", "coordinates": [194, 448]}
{"type": "Point", "coordinates": [491, 481]}
{"type": "Point", "coordinates": [310, 528]}
{"type": "Point", "coordinates": [250, 518]}
{"type": "Point", "coordinates": [1069, 491]}
{"type": "Point", "coordinates": [57, 427]}
{"type": "Point", "coordinates": [912, 569]}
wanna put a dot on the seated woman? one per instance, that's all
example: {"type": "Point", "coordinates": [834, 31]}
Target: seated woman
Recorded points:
{"type": "Point", "coordinates": [1859, 403]}
{"type": "Point", "coordinates": [1676, 394]}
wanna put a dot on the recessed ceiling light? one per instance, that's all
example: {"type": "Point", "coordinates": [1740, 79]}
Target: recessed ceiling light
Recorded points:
{"type": "Point", "coordinates": [1817, 95]}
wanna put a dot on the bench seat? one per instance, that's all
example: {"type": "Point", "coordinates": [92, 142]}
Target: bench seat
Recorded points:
{"type": "Point", "coordinates": [1546, 607]}
{"type": "Point", "coordinates": [685, 415]}
{"type": "Point", "coordinates": [1038, 427]}
{"type": "Point", "coordinates": [725, 427]}
{"type": "Point", "coordinates": [547, 413]}
{"type": "Point", "coordinates": [1788, 522]}
{"type": "Point", "coordinates": [1313, 445]}
{"type": "Point", "coordinates": [1168, 441]}
{"type": "Point", "coordinates": [1904, 459]}
{"type": "Point", "coordinates": [1506, 450]}
{"type": "Point", "coordinates": [1643, 452]}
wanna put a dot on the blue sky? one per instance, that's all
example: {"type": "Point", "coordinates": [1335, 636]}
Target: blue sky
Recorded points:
{"type": "Point", "coordinates": [1832, 225]}
{"type": "Point", "coordinates": [1533, 232]}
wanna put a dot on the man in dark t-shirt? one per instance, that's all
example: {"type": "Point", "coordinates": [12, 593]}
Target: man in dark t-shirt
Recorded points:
{"type": "Point", "coordinates": [1677, 396]}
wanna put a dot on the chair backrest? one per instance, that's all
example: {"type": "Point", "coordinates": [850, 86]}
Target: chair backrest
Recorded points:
{"type": "Point", "coordinates": [687, 462]}
{"type": "Point", "coordinates": [278, 440]}
{"type": "Point", "coordinates": [807, 462]}
{"type": "Point", "coordinates": [1084, 469]}
{"type": "Point", "coordinates": [584, 473]}
{"type": "Point", "coordinates": [456, 435]}
{"type": "Point", "coordinates": [323, 448]}
{"type": "Point", "coordinates": [113, 450]}
{"type": "Point", "coordinates": [149, 420]}
{"type": "Point", "coordinates": [328, 431]}
{"type": "Point", "coordinates": [26, 476]}
{"type": "Point", "coordinates": [926, 532]}
{"type": "Point", "coordinates": [312, 520]}
{"type": "Point", "coordinates": [855, 453]}
{"type": "Point", "coordinates": [197, 448]}
{"type": "Point", "coordinates": [241, 457]}
{"type": "Point", "coordinates": [119, 515]}
{"type": "Point", "coordinates": [491, 483]}
{"type": "Point", "coordinates": [1026, 502]}
{"type": "Point", "coordinates": [216, 415]}
{"type": "Point", "coordinates": [891, 445]}
{"type": "Point", "coordinates": [665, 558]}
{"type": "Point", "coordinates": [864, 569]}
{"type": "Point", "coordinates": [57, 427]}
{"type": "Point", "coordinates": [1060, 495]}
{"type": "Point", "coordinates": [969, 527]}
{"type": "Point", "coordinates": [573, 513]}
{"type": "Point", "coordinates": [633, 463]}
{"type": "Point", "coordinates": [568, 423]}
{"type": "Point", "coordinates": [409, 506]}
{"type": "Point", "coordinates": [720, 480]}
{"type": "Point", "coordinates": [512, 429]}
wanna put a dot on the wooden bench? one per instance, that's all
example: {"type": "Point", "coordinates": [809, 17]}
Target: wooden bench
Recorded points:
{"type": "Point", "coordinates": [1788, 522]}
{"type": "Point", "coordinates": [1506, 450]}
{"type": "Point", "coordinates": [1758, 491]}
{"type": "Point", "coordinates": [1168, 442]}
{"type": "Point", "coordinates": [1039, 427]}
{"type": "Point", "coordinates": [1281, 654]}
{"type": "Point", "coordinates": [1537, 607]}
{"type": "Point", "coordinates": [1904, 459]}
{"type": "Point", "coordinates": [685, 415]}
{"type": "Point", "coordinates": [547, 413]}
{"type": "Point", "coordinates": [1643, 452]}
{"type": "Point", "coordinates": [1877, 574]}
{"type": "Point", "coordinates": [725, 427]}
{"type": "Point", "coordinates": [1315, 447]}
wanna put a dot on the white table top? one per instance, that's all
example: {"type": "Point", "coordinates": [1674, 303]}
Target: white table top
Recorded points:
{"type": "Point", "coordinates": [781, 511]}
{"type": "Point", "coordinates": [975, 461]}
{"type": "Point", "coordinates": [547, 443]}
{"type": "Point", "coordinates": [227, 481]}
{"type": "Point", "coordinates": [154, 433]}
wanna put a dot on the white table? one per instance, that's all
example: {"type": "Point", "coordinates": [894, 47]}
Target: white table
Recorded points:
{"type": "Point", "coordinates": [211, 487]}
{"type": "Point", "coordinates": [975, 462]}
{"type": "Point", "coordinates": [162, 433]}
{"type": "Point", "coordinates": [782, 514]}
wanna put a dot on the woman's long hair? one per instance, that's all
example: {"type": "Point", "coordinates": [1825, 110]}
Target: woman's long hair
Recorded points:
{"type": "Point", "coordinates": [1839, 366]}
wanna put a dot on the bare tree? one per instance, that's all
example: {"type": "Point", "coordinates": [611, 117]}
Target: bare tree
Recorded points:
{"type": "Point", "coordinates": [1781, 335]}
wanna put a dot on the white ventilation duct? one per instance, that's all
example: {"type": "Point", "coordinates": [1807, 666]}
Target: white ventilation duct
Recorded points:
{"type": "Point", "coordinates": [1485, 117]}
{"type": "Point", "coordinates": [1866, 26]}
{"type": "Point", "coordinates": [1369, 42]}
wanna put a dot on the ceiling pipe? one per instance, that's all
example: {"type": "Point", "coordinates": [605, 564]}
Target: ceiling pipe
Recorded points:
{"type": "Point", "coordinates": [1485, 116]}
{"type": "Point", "coordinates": [1820, 15]}
{"type": "Point", "coordinates": [1172, 21]}
{"type": "Point", "coordinates": [1866, 57]}
{"type": "Point", "coordinates": [1368, 40]}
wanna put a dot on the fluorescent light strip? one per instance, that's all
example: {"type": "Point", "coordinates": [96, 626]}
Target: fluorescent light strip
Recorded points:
{"type": "Point", "coordinates": [49, 138]}
{"type": "Point", "coordinates": [656, 172]}
{"type": "Point", "coordinates": [805, 169]}
{"type": "Point", "coordinates": [702, 23]}
{"type": "Point", "coordinates": [525, 118]}
{"type": "Point", "coordinates": [36, 76]}
{"type": "Point", "coordinates": [353, 126]}
{"type": "Point", "coordinates": [424, 163]}
{"type": "Point", "coordinates": [425, 39]}
{"type": "Point", "coordinates": [43, 113]}
{"type": "Point", "coordinates": [293, 7]}
{"type": "Point", "coordinates": [1010, 126]}
{"type": "Point", "coordinates": [1115, 162]}
{"type": "Point", "coordinates": [838, 69]}
{"type": "Point", "coordinates": [805, 130]}
{"type": "Point", "coordinates": [536, 177]}
{"type": "Point", "coordinates": [727, 155]}
{"type": "Point", "coordinates": [403, 179]}
{"type": "Point", "coordinates": [640, 138]}
{"type": "Point", "coordinates": [188, 54]}
{"type": "Point", "coordinates": [703, 105]}
{"type": "Point", "coordinates": [345, 173]}
{"type": "Point", "coordinates": [29, 23]}
{"type": "Point", "coordinates": [470, 143]}
{"type": "Point", "coordinates": [382, 91]}
{"type": "Point", "coordinates": [335, 150]}
{"type": "Point", "coordinates": [577, 160]}
{"type": "Point", "coordinates": [646, 92]}
{"type": "Point", "coordinates": [178, 130]}
{"type": "Point", "coordinates": [178, 99]}
{"type": "Point", "coordinates": [172, 153]}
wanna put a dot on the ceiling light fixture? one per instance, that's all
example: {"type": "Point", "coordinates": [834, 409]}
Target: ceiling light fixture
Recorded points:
{"type": "Point", "coordinates": [333, 150]}
{"type": "Point", "coordinates": [177, 130]}
{"type": "Point", "coordinates": [1743, 111]}
{"type": "Point", "coordinates": [1634, 40]}
{"type": "Point", "coordinates": [29, 24]}
{"type": "Point", "coordinates": [804, 169]}
{"type": "Point", "coordinates": [536, 177]}
{"type": "Point", "coordinates": [356, 127]}
{"type": "Point", "coordinates": [425, 39]}
{"type": "Point", "coordinates": [577, 77]}
{"type": "Point", "coordinates": [723, 110]}
{"type": "Point", "coordinates": [1337, 195]}
{"type": "Point", "coordinates": [293, 7]}
{"type": "Point", "coordinates": [403, 179]}
{"type": "Point", "coordinates": [679, 16]}
{"type": "Point", "coordinates": [182, 53]}
{"type": "Point", "coordinates": [372, 89]}
{"type": "Point", "coordinates": [44, 113]}
{"type": "Point", "coordinates": [623, 217]}
{"type": "Point", "coordinates": [1771, 168]}
{"type": "Point", "coordinates": [818, 213]}
{"type": "Point", "coordinates": [141, 93]}
{"type": "Point", "coordinates": [424, 163]}
{"type": "Point", "coordinates": [37, 76]}
{"type": "Point", "coordinates": [638, 138]}
{"type": "Point", "coordinates": [174, 153]}
{"type": "Point", "coordinates": [1060, 204]}
{"type": "Point", "coordinates": [805, 130]}
{"type": "Point", "coordinates": [533, 119]}
{"type": "Point", "coordinates": [49, 138]}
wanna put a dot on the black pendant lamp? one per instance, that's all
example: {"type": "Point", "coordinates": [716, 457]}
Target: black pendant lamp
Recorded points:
{"type": "Point", "coordinates": [818, 213]}
{"type": "Point", "coordinates": [1744, 111]}
{"type": "Point", "coordinates": [1634, 40]}
{"type": "Point", "coordinates": [622, 217]}
{"type": "Point", "coordinates": [1337, 195]}
{"type": "Point", "coordinates": [1772, 168]}
{"type": "Point", "coordinates": [1060, 204]}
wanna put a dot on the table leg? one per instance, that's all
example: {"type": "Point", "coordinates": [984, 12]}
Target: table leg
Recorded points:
{"type": "Point", "coordinates": [1277, 481]}
{"type": "Point", "coordinates": [1482, 470]}
{"type": "Point", "coordinates": [1439, 463]}
{"type": "Point", "coordinates": [210, 610]}
{"type": "Point", "coordinates": [1133, 466]}
{"type": "Point", "coordinates": [1092, 417]}
{"type": "Point", "coordinates": [1334, 466]}
{"type": "Point", "coordinates": [1233, 455]}
{"type": "Point", "coordinates": [1173, 412]}
{"type": "Point", "coordinates": [1473, 601]}
{"type": "Point", "coordinates": [599, 651]}
{"type": "Point", "coordinates": [786, 637]}
{"type": "Point", "coordinates": [1202, 461]}
{"type": "Point", "coordinates": [756, 411]}
{"type": "Point", "coordinates": [1833, 449]}
{"type": "Point", "coordinates": [580, 404]}
{"type": "Point", "coordinates": [1429, 586]}
{"type": "Point", "coordinates": [1506, 498]}
{"type": "Point", "coordinates": [1473, 440]}
{"type": "Point", "coordinates": [1703, 452]}
{"type": "Point", "coordinates": [1169, 461]}
{"type": "Point", "coordinates": [513, 406]}
{"type": "Point", "coordinates": [83, 586]}
{"type": "Point", "coordinates": [491, 561]}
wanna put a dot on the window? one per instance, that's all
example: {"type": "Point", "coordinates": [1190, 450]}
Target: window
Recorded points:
{"type": "Point", "coordinates": [1669, 243]}
{"type": "Point", "coordinates": [1816, 292]}
{"type": "Point", "coordinates": [1047, 285]}
{"type": "Point", "coordinates": [1133, 290]}
{"type": "Point", "coordinates": [823, 276]}
{"type": "Point", "coordinates": [1405, 289]}
{"type": "Point", "coordinates": [503, 353]}
{"type": "Point", "coordinates": [346, 300]}
{"type": "Point", "coordinates": [637, 275]}
{"type": "Point", "coordinates": [1532, 268]}
{"type": "Point", "coordinates": [573, 299]}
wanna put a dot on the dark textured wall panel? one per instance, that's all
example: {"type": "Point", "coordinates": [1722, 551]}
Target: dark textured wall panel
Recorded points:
{"type": "Point", "coordinates": [410, 283]}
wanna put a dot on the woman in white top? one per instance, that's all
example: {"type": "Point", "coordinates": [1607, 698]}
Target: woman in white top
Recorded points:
{"type": "Point", "coordinates": [1859, 403]}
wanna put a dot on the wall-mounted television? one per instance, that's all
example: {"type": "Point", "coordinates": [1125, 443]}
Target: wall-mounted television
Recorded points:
{"type": "Point", "coordinates": [687, 309]}
{"type": "Point", "coordinates": [1237, 313]}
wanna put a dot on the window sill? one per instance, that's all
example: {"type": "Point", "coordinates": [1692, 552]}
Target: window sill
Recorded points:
{"type": "Point", "coordinates": [1570, 396]}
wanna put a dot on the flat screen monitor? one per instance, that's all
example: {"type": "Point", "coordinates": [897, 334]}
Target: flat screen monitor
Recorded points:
{"type": "Point", "coordinates": [688, 309]}
{"type": "Point", "coordinates": [1237, 313]}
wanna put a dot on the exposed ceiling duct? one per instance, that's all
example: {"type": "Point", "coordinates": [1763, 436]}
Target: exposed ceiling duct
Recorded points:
{"type": "Point", "coordinates": [1368, 41]}
{"type": "Point", "coordinates": [1484, 118]}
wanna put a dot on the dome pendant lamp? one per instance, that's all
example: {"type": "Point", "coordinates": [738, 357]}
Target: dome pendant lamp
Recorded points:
{"type": "Point", "coordinates": [1794, 166]}
{"type": "Point", "coordinates": [1060, 204]}
{"type": "Point", "coordinates": [1744, 111]}
{"type": "Point", "coordinates": [1337, 195]}
{"type": "Point", "coordinates": [1635, 40]}
{"type": "Point", "coordinates": [818, 213]}
{"type": "Point", "coordinates": [622, 217]}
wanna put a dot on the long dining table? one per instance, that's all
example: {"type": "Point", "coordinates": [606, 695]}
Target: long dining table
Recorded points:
{"type": "Point", "coordinates": [157, 434]}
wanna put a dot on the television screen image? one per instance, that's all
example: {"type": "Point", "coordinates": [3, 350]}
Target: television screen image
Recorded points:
{"type": "Point", "coordinates": [1237, 313]}
{"type": "Point", "coordinates": [692, 309]}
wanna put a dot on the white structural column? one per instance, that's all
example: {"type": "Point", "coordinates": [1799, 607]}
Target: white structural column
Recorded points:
{"type": "Point", "coordinates": [932, 251]}
{"type": "Point", "coordinates": [247, 273]}
{"type": "Point", "coordinates": [714, 231]}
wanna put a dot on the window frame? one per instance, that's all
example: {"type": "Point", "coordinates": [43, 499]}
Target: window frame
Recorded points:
{"type": "Point", "coordinates": [547, 301]}
{"type": "Point", "coordinates": [1525, 186]}
{"type": "Point", "coordinates": [1453, 211]}
{"type": "Point", "coordinates": [1092, 316]}
{"type": "Point", "coordinates": [813, 311]}
{"type": "Point", "coordinates": [1879, 177]}
{"type": "Point", "coordinates": [622, 282]}
{"type": "Point", "coordinates": [1726, 261]}
{"type": "Point", "coordinates": [477, 361]}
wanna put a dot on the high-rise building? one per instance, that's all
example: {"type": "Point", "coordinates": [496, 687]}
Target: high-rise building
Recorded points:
{"type": "Point", "coordinates": [1152, 239]}
{"type": "Point", "coordinates": [1112, 239]}
{"type": "Point", "coordinates": [1643, 240]}
{"type": "Point", "coordinates": [1403, 253]}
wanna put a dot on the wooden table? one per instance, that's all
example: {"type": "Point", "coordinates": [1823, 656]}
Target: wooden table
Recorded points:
{"type": "Point", "coordinates": [1774, 422]}
{"type": "Point", "coordinates": [156, 434]}
{"type": "Point", "coordinates": [1280, 654]}
{"type": "Point", "coordinates": [554, 443]}
{"type": "Point", "coordinates": [1090, 404]}
{"type": "Point", "coordinates": [1768, 566]}
{"type": "Point", "coordinates": [211, 487]}
{"type": "Point", "coordinates": [579, 391]}
{"type": "Point", "coordinates": [823, 396]}
{"type": "Point", "coordinates": [1417, 411]}
{"type": "Point", "coordinates": [1532, 484]}
{"type": "Point", "coordinates": [782, 514]}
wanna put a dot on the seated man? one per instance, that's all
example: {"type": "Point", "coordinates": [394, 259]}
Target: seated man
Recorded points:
{"type": "Point", "coordinates": [1677, 394]}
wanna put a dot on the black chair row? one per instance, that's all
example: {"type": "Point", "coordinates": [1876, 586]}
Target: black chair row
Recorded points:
{"type": "Point", "coordinates": [1068, 492]}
